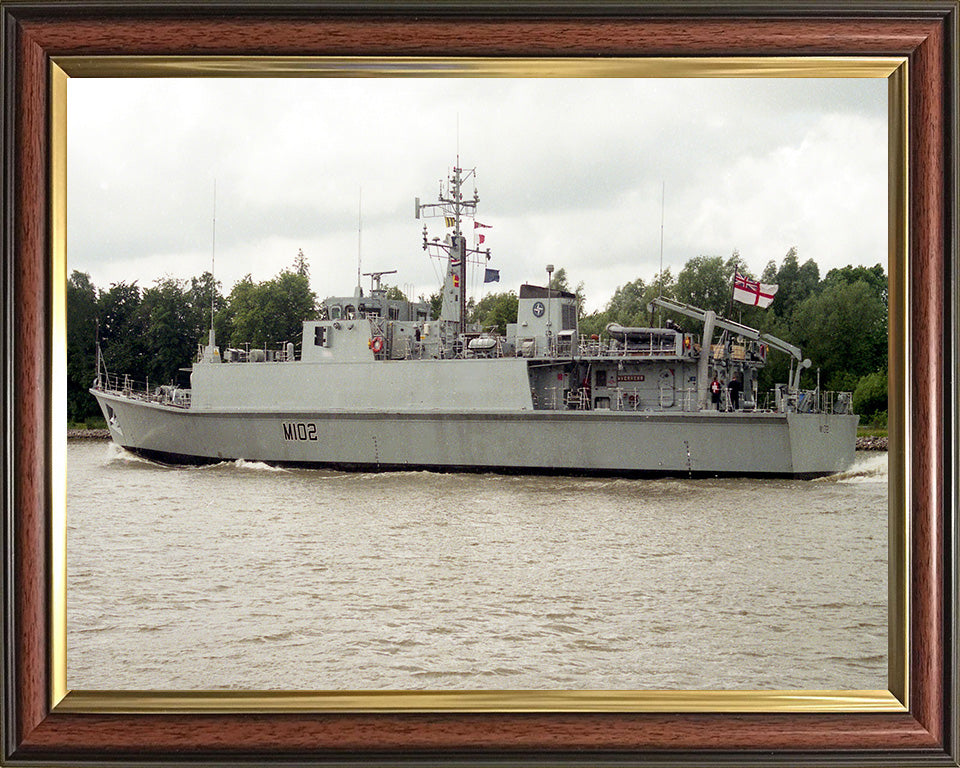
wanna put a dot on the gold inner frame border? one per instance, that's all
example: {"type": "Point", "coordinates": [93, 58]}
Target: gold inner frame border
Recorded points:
{"type": "Point", "coordinates": [894, 699]}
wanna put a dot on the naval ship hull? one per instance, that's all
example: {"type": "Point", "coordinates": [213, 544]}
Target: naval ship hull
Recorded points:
{"type": "Point", "coordinates": [595, 442]}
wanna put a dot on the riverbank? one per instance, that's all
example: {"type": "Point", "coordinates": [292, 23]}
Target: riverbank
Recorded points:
{"type": "Point", "coordinates": [88, 434]}
{"type": "Point", "coordinates": [871, 443]}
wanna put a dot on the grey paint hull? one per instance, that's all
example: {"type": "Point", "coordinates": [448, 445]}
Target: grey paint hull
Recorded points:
{"type": "Point", "coordinates": [575, 442]}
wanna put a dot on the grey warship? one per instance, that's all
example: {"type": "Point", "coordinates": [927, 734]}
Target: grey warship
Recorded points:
{"type": "Point", "coordinates": [376, 384]}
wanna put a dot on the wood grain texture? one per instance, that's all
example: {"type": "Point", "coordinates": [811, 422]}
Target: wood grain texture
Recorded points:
{"type": "Point", "coordinates": [30, 416]}
{"type": "Point", "coordinates": [41, 735]}
{"type": "Point", "coordinates": [295, 735]}
{"type": "Point", "coordinates": [385, 36]}
{"type": "Point", "coordinates": [929, 353]}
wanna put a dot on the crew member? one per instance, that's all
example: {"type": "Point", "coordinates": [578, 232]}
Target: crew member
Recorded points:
{"type": "Point", "coordinates": [736, 386]}
{"type": "Point", "coordinates": [715, 393]}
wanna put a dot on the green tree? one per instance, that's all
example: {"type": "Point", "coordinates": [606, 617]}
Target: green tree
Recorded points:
{"type": "Point", "coordinates": [593, 324]}
{"type": "Point", "coordinates": [777, 368]}
{"type": "Point", "coordinates": [665, 286]}
{"type": "Point", "coordinates": [271, 312]}
{"type": "Point", "coordinates": [769, 274]}
{"type": "Point", "coordinates": [870, 396]}
{"type": "Point", "coordinates": [122, 332]}
{"type": "Point", "coordinates": [627, 305]}
{"type": "Point", "coordinates": [873, 276]}
{"type": "Point", "coordinates": [171, 329]}
{"type": "Point", "coordinates": [81, 346]}
{"type": "Point", "coordinates": [843, 330]}
{"type": "Point", "coordinates": [395, 294]}
{"type": "Point", "coordinates": [795, 283]}
{"type": "Point", "coordinates": [495, 310]}
{"type": "Point", "coordinates": [436, 304]}
{"type": "Point", "coordinates": [560, 282]}
{"type": "Point", "coordinates": [300, 265]}
{"type": "Point", "coordinates": [706, 282]}
{"type": "Point", "coordinates": [202, 290]}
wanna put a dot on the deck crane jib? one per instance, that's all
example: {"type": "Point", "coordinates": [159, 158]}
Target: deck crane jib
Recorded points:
{"type": "Point", "coordinates": [761, 342]}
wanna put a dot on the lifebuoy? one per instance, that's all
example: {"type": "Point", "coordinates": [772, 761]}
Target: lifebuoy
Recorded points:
{"type": "Point", "coordinates": [377, 344]}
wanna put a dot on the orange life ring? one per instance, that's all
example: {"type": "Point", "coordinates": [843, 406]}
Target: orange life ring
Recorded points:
{"type": "Point", "coordinates": [377, 344]}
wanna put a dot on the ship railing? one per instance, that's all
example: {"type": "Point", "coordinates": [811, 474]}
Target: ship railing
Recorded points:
{"type": "Point", "coordinates": [784, 400]}
{"type": "Point", "coordinates": [816, 401]}
{"type": "Point", "coordinates": [838, 402]}
{"type": "Point", "coordinates": [590, 347]}
{"type": "Point", "coordinates": [133, 389]}
{"type": "Point", "coordinates": [558, 398]}
{"type": "Point", "coordinates": [578, 399]}
{"type": "Point", "coordinates": [278, 352]}
{"type": "Point", "coordinates": [596, 348]}
{"type": "Point", "coordinates": [640, 350]}
{"type": "Point", "coordinates": [628, 399]}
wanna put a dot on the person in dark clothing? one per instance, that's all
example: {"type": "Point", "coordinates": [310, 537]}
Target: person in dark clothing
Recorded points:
{"type": "Point", "coordinates": [715, 390]}
{"type": "Point", "coordinates": [736, 387]}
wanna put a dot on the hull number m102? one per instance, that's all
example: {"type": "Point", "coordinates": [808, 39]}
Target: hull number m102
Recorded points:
{"type": "Point", "coordinates": [299, 431]}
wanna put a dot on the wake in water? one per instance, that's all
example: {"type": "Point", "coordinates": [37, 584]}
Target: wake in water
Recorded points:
{"type": "Point", "coordinates": [870, 469]}
{"type": "Point", "coordinates": [255, 466]}
{"type": "Point", "coordinates": [117, 454]}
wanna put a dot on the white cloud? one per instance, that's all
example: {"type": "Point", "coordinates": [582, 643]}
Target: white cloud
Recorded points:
{"type": "Point", "coordinates": [570, 172]}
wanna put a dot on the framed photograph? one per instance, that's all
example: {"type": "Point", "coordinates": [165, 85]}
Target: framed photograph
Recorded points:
{"type": "Point", "coordinates": [48, 46]}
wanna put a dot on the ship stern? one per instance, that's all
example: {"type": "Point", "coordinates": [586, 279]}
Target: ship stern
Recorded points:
{"type": "Point", "coordinates": [822, 443]}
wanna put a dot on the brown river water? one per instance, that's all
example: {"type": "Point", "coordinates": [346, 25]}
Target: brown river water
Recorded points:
{"type": "Point", "coordinates": [243, 576]}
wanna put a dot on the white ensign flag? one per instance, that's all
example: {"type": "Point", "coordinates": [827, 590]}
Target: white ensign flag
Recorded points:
{"type": "Point", "coordinates": [753, 293]}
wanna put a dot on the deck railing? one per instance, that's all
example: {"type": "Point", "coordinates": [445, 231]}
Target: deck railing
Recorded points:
{"type": "Point", "coordinates": [126, 386]}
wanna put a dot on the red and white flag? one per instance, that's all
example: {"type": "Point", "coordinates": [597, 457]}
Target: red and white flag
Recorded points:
{"type": "Point", "coordinates": [477, 225]}
{"type": "Point", "coordinates": [753, 293]}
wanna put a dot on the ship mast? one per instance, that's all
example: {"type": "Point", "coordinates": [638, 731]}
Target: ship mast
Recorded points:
{"type": "Point", "coordinates": [454, 208]}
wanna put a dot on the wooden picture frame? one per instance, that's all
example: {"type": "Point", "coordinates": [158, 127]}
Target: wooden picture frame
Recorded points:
{"type": "Point", "coordinates": [38, 730]}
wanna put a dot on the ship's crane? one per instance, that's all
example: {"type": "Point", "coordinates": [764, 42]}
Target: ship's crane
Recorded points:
{"type": "Point", "coordinates": [711, 320]}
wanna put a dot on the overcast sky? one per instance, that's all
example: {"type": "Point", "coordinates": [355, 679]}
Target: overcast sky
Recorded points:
{"type": "Point", "coordinates": [569, 172]}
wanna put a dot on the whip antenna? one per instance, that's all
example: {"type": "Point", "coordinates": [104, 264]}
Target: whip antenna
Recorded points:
{"type": "Point", "coordinates": [213, 255]}
{"type": "Point", "coordinates": [663, 194]}
{"type": "Point", "coordinates": [359, 234]}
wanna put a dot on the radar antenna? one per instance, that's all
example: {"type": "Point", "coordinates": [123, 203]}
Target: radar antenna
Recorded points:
{"type": "Point", "coordinates": [375, 278]}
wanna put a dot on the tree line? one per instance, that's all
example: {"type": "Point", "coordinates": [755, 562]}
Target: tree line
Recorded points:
{"type": "Point", "coordinates": [838, 320]}
{"type": "Point", "coordinates": [151, 333]}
